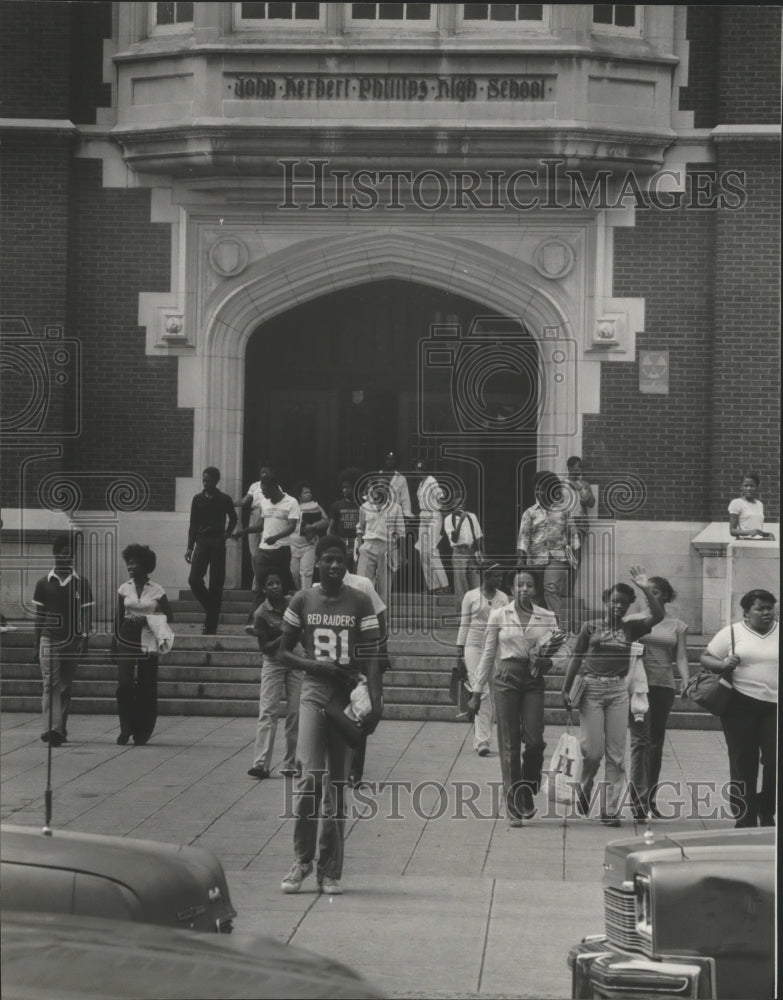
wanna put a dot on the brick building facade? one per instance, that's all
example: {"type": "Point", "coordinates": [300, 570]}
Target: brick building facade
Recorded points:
{"type": "Point", "coordinates": [141, 214]}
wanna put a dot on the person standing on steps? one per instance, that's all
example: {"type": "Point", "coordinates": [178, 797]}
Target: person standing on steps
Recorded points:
{"type": "Point", "coordinates": [312, 521]}
{"type": "Point", "coordinates": [280, 519]}
{"type": "Point", "coordinates": [344, 514]}
{"type": "Point", "coordinates": [476, 607]}
{"type": "Point", "coordinates": [251, 502]}
{"type": "Point", "coordinates": [63, 616]}
{"type": "Point", "coordinates": [212, 521]}
{"type": "Point", "coordinates": [466, 539]}
{"type": "Point", "coordinates": [398, 484]}
{"type": "Point", "coordinates": [429, 496]}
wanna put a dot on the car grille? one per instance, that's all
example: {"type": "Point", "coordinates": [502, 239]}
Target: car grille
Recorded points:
{"type": "Point", "coordinates": [620, 920]}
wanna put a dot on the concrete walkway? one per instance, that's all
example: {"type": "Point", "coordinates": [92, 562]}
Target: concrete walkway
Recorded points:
{"type": "Point", "coordinates": [442, 898]}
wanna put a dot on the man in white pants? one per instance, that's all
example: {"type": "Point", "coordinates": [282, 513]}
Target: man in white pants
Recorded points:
{"type": "Point", "coordinates": [466, 538]}
{"type": "Point", "coordinates": [429, 495]}
{"type": "Point", "coordinates": [476, 607]}
{"type": "Point", "coordinates": [380, 526]}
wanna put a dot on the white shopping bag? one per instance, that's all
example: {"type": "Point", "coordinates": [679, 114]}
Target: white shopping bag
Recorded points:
{"type": "Point", "coordinates": [565, 769]}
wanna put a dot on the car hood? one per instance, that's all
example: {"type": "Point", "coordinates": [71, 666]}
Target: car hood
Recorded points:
{"type": "Point", "coordinates": [623, 857]}
{"type": "Point", "coordinates": [56, 957]}
{"type": "Point", "coordinates": [188, 876]}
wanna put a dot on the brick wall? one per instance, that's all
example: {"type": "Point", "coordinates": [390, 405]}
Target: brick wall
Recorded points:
{"type": "Point", "coordinates": [35, 60]}
{"type": "Point", "coordinates": [749, 65]}
{"type": "Point", "coordinates": [667, 259]}
{"type": "Point", "coordinates": [746, 367]}
{"type": "Point", "coordinates": [131, 420]}
{"type": "Point", "coordinates": [33, 288]}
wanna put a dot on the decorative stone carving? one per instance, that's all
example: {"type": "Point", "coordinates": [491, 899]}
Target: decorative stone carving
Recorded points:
{"type": "Point", "coordinates": [228, 256]}
{"type": "Point", "coordinates": [554, 259]}
{"type": "Point", "coordinates": [174, 328]}
{"type": "Point", "coordinates": [609, 333]}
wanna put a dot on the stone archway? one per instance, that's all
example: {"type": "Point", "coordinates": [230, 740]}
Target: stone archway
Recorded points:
{"type": "Point", "coordinates": [315, 267]}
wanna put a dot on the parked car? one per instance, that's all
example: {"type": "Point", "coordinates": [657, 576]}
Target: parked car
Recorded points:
{"type": "Point", "coordinates": [90, 875]}
{"type": "Point", "coordinates": [52, 956]}
{"type": "Point", "coordinates": [686, 915]}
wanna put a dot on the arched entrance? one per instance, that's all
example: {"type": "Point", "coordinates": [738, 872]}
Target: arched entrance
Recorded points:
{"type": "Point", "coordinates": [344, 378]}
{"type": "Point", "coordinates": [313, 269]}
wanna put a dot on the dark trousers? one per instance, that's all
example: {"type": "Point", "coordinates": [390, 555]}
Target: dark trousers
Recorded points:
{"type": "Point", "coordinates": [137, 686]}
{"type": "Point", "coordinates": [750, 727]}
{"type": "Point", "coordinates": [647, 739]}
{"type": "Point", "coordinates": [357, 760]}
{"type": "Point", "coordinates": [519, 708]}
{"type": "Point", "coordinates": [209, 554]}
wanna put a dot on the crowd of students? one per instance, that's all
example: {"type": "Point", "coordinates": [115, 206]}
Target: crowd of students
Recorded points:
{"type": "Point", "coordinates": [328, 641]}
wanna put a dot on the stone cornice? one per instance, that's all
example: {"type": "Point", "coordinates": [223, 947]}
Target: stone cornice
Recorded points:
{"type": "Point", "coordinates": [205, 148]}
{"type": "Point", "coordinates": [746, 133]}
{"type": "Point", "coordinates": [56, 126]}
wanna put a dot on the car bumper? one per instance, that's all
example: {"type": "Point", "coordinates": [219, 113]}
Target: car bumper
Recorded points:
{"type": "Point", "coordinates": [600, 970]}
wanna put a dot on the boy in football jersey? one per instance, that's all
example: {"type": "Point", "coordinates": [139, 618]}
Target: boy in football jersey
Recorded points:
{"type": "Point", "coordinates": [330, 621]}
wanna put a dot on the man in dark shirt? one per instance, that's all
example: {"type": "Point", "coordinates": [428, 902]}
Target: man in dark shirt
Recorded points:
{"type": "Point", "coordinates": [207, 545]}
{"type": "Point", "coordinates": [344, 515]}
{"type": "Point", "coordinates": [63, 605]}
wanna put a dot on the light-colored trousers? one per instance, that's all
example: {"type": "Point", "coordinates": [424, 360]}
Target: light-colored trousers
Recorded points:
{"type": "Point", "coordinates": [482, 724]}
{"type": "Point", "coordinates": [466, 572]}
{"type": "Point", "coordinates": [58, 669]}
{"type": "Point", "coordinates": [603, 716]}
{"type": "Point", "coordinates": [374, 564]}
{"type": "Point", "coordinates": [302, 566]}
{"type": "Point", "coordinates": [427, 544]}
{"type": "Point", "coordinates": [276, 679]}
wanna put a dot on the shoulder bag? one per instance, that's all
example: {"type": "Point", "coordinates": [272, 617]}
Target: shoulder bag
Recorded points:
{"type": "Point", "coordinates": [710, 690]}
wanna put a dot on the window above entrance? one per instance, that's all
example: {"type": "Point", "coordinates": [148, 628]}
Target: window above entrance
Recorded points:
{"type": "Point", "coordinates": [288, 14]}
{"type": "Point", "coordinates": [366, 15]}
{"type": "Point", "coordinates": [495, 15]}
{"type": "Point", "coordinates": [165, 17]}
{"type": "Point", "coordinates": [619, 19]}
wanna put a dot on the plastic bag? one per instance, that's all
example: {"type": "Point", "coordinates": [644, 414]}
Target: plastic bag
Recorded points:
{"type": "Point", "coordinates": [565, 768]}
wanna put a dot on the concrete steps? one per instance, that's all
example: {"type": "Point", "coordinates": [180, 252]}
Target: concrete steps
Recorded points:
{"type": "Point", "coordinates": [219, 675]}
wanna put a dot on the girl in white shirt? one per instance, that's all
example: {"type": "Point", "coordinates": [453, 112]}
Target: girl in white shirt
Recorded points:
{"type": "Point", "coordinates": [746, 512]}
{"type": "Point", "coordinates": [137, 669]}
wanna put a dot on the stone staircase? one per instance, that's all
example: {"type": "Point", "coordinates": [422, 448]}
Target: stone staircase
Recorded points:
{"type": "Point", "coordinates": [219, 675]}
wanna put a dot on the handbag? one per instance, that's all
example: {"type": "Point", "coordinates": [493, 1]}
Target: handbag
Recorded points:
{"type": "Point", "coordinates": [565, 767]}
{"type": "Point", "coordinates": [709, 690]}
{"type": "Point", "coordinates": [334, 711]}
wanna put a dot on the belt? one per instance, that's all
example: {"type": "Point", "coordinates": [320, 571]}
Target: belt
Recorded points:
{"type": "Point", "coordinates": [603, 677]}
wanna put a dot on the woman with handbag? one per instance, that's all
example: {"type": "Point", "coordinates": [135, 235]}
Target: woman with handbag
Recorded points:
{"type": "Point", "coordinates": [476, 608]}
{"type": "Point", "coordinates": [664, 648]}
{"type": "Point", "coordinates": [137, 664]}
{"type": "Point", "coordinates": [747, 653]}
{"type": "Point", "coordinates": [602, 656]}
{"type": "Point", "coordinates": [514, 634]}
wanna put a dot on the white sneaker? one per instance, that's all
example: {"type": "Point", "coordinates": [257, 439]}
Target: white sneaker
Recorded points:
{"type": "Point", "coordinates": [483, 749]}
{"type": "Point", "coordinates": [293, 880]}
{"type": "Point", "coordinates": [331, 886]}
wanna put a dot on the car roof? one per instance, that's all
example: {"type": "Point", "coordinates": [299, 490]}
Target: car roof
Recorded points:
{"type": "Point", "coordinates": [61, 957]}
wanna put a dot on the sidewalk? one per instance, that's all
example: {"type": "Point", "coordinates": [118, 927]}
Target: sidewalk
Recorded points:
{"type": "Point", "coordinates": [438, 907]}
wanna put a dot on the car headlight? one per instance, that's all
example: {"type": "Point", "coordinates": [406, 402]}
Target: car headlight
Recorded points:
{"type": "Point", "coordinates": [643, 907]}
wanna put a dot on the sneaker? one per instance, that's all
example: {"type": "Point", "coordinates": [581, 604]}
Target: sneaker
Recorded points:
{"type": "Point", "coordinates": [258, 772]}
{"type": "Point", "coordinates": [330, 886]}
{"type": "Point", "coordinates": [122, 739]}
{"type": "Point", "coordinates": [514, 820]}
{"type": "Point", "coordinates": [483, 750]}
{"type": "Point", "coordinates": [610, 820]}
{"type": "Point", "coordinates": [293, 880]}
{"type": "Point", "coordinates": [55, 739]}
{"type": "Point", "coordinates": [250, 629]}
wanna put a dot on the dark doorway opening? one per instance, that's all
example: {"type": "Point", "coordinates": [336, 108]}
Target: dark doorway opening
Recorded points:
{"type": "Point", "coordinates": [343, 379]}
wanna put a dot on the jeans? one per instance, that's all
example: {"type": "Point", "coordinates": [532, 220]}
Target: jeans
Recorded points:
{"type": "Point", "coordinates": [466, 572]}
{"type": "Point", "coordinates": [552, 583]}
{"type": "Point", "coordinates": [482, 724]}
{"type": "Point", "coordinates": [302, 566]}
{"type": "Point", "coordinates": [209, 554]}
{"type": "Point", "coordinates": [272, 560]}
{"type": "Point", "coordinates": [750, 727]}
{"type": "Point", "coordinates": [603, 715]}
{"type": "Point", "coordinates": [519, 709]}
{"type": "Point", "coordinates": [59, 661]}
{"type": "Point", "coordinates": [275, 679]}
{"type": "Point", "coordinates": [647, 738]}
{"type": "Point", "coordinates": [322, 758]}
{"type": "Point", "coordinates": [374, 565]}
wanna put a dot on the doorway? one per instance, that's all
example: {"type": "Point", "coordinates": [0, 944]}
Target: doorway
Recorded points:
{"type": "Point", "coordinates": [337, 382]}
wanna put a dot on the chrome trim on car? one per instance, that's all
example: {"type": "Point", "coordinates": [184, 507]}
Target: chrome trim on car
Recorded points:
{"type": "Point", "coordinates": [620, 921]}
